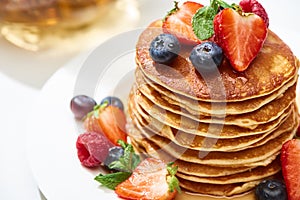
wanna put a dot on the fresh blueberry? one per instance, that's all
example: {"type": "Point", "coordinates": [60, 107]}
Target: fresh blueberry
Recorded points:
{"type": "Point", "coordinates": [114, 154]}
{"type": "Point", "coordinates": [114, 101]}
{"type": "Point", "coordinates": [206, 56]}
{"type": "Point", "coordinates": [271, 190]}
{"type": "Point", "coordinates": [164, 48]}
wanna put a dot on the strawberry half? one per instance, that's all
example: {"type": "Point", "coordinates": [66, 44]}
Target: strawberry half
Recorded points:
{"type": "Point", "coordinates": [179, 22]}
{"type": "Point", "coordinates": [240, 35]}
{"type": "Point", "coordinates": [290, 160]}
{"type": "Point", "coordinates": [151, 180]}
{"type": "Point", "coordinates": [108, 120]}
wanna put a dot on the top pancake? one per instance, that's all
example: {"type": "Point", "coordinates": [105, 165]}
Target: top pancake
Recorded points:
{"type": "Point", "coordinates": [273, 67]}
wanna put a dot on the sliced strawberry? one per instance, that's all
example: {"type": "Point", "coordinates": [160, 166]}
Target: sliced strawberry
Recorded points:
{"type": "Point", "coordinates": [149, 181]}
{"type": "Point", "coordinates": [113, 121]}
{"type": "Point", "coordinates": [290, 160]}
{"type": "Point", "coordinates": [108, 120]}
{"type": "Point", "coordinates": [253, 6]}
{"type": "Point", "coordinates": [179, 22]}
{"type": "Point", "coordinates": [91, 123]}
{"type": "Point", "coordinates": [241, 36]}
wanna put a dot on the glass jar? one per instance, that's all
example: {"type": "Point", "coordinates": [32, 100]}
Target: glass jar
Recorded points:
{"type": "Point", "coordinates": [36, 24]}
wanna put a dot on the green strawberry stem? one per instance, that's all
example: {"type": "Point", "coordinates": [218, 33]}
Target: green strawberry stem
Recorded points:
{"type": "Point", "coordinates": [173, 10]}
{"type": "Point", "coordinates": [172, 180]}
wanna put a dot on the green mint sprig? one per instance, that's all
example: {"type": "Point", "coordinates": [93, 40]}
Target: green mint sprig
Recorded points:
{"type": "Point", "coordinates": [202, 21]}
{"type": "Point", "coordinates": [112, 180]}
{"type": "Point", "coordinates": [129, 161]}
{"type": "Point", "coordinates": [125, 165]}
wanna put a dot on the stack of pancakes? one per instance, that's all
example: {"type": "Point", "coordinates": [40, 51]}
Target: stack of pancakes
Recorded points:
{"type": "Point", "coordinates": [222, 128]}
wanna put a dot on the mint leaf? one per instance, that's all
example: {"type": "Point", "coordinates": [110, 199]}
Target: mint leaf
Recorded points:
{"type": "Point", "coordinates": [203, 22]}
{"type": "Point", "coordinates": [128, 162]}
{"type": "Point", "coordinates": [112, 180]}
{"type": "Point", "coordinates": [125, 165]}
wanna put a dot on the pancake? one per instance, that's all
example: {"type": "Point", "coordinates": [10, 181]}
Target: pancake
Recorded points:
{"type": "Point", "coordinates": [268, 112]}
{"type": "Point", "coordinates": [206, 108]}
{"type": "Point", "coordinates": [208, 144]}
{"type": "Point", "coordinates": [193, 169]}
{"type": "Point", "coordinates": [223, 129]}
{"type": "Point", "coordinates": [257, 173]}
{"type": "Point", "coordinates": [273, 67]}
{"type": "Point", "coordinates": [218, 189]}
{"type": "Point", "coordinates": [205, 188]}
{"type": "Point", "coordinates": [201, 129]}
{"type": "Point", "coordinates": [257, 156]}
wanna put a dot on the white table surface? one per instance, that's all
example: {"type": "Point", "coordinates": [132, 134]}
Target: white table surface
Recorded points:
{"type": "Point", "coordinates": [23, 74]}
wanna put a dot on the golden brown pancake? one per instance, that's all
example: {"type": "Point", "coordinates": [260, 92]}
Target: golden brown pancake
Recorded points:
{"type": "Point", "coordinates": [218, 189]}
{"type": "Point", "coordinates": [273, 67]}
{"type": "Point", "coordinates": [188, 167]}
{"type": "Point", "coordinates": [200, 143]}
{"type": "Point", "coordinates": [202, 129]}
{"type": "Point", "coordinates": [257, 173]}
{"type": "Point", "coordinates": [268, 112]}
{"type": "Point", "coordinates": [206, 188]}
{"type": "Point", "coordinates": [206, 108]}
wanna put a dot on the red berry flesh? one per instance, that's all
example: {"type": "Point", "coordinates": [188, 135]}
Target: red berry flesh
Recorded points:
{"type": "Point", "coordinates": [92, 148]}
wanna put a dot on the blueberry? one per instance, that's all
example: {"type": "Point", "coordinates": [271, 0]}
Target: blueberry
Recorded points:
{"type": "Point", "coordinates": [114, 101]}
{"type": "Point", "coordinates": [271, 190]}
{"type": "Point", "coordinates": [114, 154]}
{"type": "Point", "coordinates": [206, 56]}
{"type": "Point", "coordinates": [164, 48]}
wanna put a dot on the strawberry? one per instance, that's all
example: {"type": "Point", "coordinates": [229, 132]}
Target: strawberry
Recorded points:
{"type": "Point", "coordinates": [253, 6]}
{"type": "Point", "coordinates": [108, 120]}
{"type": "Point", "coordinates": [179, 22]}
{"type": "Point", "coordinates": [91, 123]}
{"type": "Point", "coordinates": [290, 160]}
{"type": "Point", "coordinates": [240, 35]}
{"type": "Point", "coordinates": [151, 180]}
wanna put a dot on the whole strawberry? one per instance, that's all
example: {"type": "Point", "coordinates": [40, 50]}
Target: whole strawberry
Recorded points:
{"type": "Point", "coordinates": [290, 160]}
{"type": "Point", "coordinates": [109, 120]}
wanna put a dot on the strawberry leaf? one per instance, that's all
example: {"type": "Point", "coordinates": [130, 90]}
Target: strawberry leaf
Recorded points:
{"type": "Point", "coordinates": [112, 180]}
{"type": "Point", "coordinates": [171, 178]}
{"type": "Point", "coordinates": [173, 10]}
{"type": "Point", "coordinates": [223, 4]}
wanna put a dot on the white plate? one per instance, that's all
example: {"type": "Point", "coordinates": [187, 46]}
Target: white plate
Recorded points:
{"type": "Point", "coordinates": [52, 130]}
